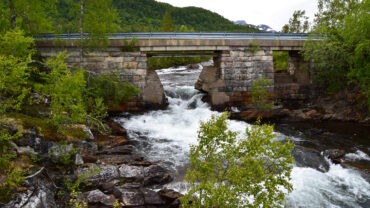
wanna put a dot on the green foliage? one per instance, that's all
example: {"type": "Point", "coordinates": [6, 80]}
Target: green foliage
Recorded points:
{"type": "Point", "coordinates": [280, 61]}
{"type": "Point", "coordinates": [66, 89]}
{"type": "Point", "coordinates": [130, 45]}
{"type": "Point", "coordinates": [33, 19]}
{"type": "Point", "coordinates": [298, 23]}
{"type": "Point", "coordinates": [167, 24]}
{"type": "Point", "coordinates": [98, 20]}
{"type": "Point", "coordinates": [74, 187]}
{"type": "Point", "coordinates": [147, 15]}
{"type": "Point", "coordinates": [343, 54]}
{"type": "Point", "coordinates": [226, 171]}
{"type": "Point", "coordinates": [254, 47]}
{"type": "Point", "coordinates": [14, 177]}
{"type": "Point", "coordinates": [15, 56]}
{"type": "Point", "coordinates": [63, 154]}
{"type": "Point", "coordinates": [111, 89]}
{"type": "Point", "coordinates": [5, 145]}
{"type": "Point", "coordinates": [260, 93]}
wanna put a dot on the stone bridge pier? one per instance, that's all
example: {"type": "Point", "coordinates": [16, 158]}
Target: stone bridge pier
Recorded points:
{"type": "Point", "coordinates": [229, 81]}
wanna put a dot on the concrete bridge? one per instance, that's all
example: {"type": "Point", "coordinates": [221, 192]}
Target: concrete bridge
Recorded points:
{"type": "Point", "coordinates": [239, 58]}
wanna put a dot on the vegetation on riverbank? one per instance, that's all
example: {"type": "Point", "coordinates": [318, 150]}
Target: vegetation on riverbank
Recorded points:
{"type": "Point", "coordinates": [229, 171]}
{"type": "Point", "coordinates": [342, 58]}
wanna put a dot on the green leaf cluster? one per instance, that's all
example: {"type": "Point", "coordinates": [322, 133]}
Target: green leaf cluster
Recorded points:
{"type": "Point", "coordinates": [260, 93]}
{"type": "Point", "coordinates": [13, 175]}
{"type": "Point", "coordinates": [280, 61]}
{"type": "Point", "coordinates": [226, 171]}
{"type": "Point", "coordinates": [15, 57]}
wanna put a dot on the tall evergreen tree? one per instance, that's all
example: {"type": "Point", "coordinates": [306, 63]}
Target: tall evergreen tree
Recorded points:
{"type": "Point", "coordinates": [32, 16]}
{"type": "Point", "coordinates": [167, 24]}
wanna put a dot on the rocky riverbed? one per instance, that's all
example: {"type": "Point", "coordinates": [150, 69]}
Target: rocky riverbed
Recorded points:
{"type": "Point", "coordinates": [109, 170]}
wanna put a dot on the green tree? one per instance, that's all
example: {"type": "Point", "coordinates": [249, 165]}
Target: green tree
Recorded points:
{"type": "Point", "coordinates": [342, 55]}
{"type": "Point", "coordinates": [226, 171]}
{"type": "Point", "coordinates": [167, 24]}
{"type": "Point", "coordinates": [66, 89]}
{"type": "Point", "coordinates": [15, 57]}
{"type": "Point", "coordinates": [32, 16]}
{"type": "Point", "coordinates": [298, 23]}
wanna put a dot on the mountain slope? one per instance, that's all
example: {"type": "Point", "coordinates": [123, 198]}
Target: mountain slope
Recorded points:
{"type": "Point", "coordinates": [147, 15]}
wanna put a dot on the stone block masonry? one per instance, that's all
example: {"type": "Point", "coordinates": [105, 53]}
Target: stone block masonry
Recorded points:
{"type": "Point", "coordinates": [131, 66]}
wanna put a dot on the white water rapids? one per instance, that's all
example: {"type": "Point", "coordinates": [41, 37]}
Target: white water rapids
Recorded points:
{"type": "Point", "coordinates": [165, 135]}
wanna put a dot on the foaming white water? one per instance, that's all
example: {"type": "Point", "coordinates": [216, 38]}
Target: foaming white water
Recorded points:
{"type": "Point", "coordinates": [339, 187]}
{"type": "Point", "coordinates": [165, 135]}
{"type": "Point", "coordinates": [358, 155]}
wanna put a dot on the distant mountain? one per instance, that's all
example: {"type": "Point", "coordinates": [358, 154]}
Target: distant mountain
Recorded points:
{"type": "Point", "coordinates": [147, 15]}
{"type": "Point", "coordinates": [240, 22]}
{"type": "Point", "coordinates": [261, 27]}
{"type": "Point", "coordinates": [265, 28]}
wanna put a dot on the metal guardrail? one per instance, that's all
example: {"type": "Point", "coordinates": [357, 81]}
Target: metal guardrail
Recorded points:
{"type": "Point", "coordinates": [183, 36]}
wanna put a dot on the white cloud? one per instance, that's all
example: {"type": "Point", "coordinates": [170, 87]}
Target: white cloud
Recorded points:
{"type": "Point", "coordinates": [274, 13]}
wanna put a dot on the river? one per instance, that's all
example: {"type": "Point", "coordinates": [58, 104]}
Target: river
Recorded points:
{"type": "Point", "coordinates": [165, 135]}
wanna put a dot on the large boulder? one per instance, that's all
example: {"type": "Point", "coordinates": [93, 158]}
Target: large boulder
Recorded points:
{"type": "Point", "coordinates": [156, 174]}
{"type": "Point", "coordinates": [98, 197]}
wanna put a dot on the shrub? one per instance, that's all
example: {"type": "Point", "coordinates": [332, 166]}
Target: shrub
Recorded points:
{"type": "Point", "coordinates": [260, 94]}
{"type": "Point", "coordinates": [226, 171]}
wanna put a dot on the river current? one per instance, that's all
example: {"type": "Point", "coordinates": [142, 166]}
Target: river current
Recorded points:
{"type": "Point", "coordinates": [165, 135]}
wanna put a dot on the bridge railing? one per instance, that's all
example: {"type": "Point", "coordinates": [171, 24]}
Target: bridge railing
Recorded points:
{"type": "Point", "coordinates": [183, 35]}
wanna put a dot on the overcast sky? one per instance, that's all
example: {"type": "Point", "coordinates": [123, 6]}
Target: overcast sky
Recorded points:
{"type": "Point", "coordinates": [274, 13]}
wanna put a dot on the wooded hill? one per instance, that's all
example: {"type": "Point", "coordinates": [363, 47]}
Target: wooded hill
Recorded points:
{"type": "Point", "coordinates": [147, 15]}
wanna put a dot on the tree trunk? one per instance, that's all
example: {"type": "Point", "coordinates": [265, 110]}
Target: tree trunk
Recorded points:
{"type": "Point", "coordinates": [82, 7]}
{"type": "Point", "coordinates": [13, 16]}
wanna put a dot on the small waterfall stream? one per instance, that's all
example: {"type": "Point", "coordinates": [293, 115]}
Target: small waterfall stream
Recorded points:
{"type": "Point", "coordinates": [165, 135]}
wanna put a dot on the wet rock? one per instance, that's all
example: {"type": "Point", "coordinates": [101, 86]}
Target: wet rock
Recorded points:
{"type": "Point", "coordinates": [99, 174]}
{"type": "Point", "coordinates": [192, 66]}
{"type": "Point", "coordinates": [79, 160]}
{"type": "Point", "coordinates": [89, 159]}
{"type": "Point", "coordinates": [122, 159]}
{"type": "Point", "coordinates": [118, 141]}
{"type": "Point", "coordinates": [62, 153]}
{"type": "Point", "coordinates": [131, 197]}
{"type": "Point", "coordinates": [169, 195]}
{"type": "Point", "coordinates": [152, 197]}
{"type": "Point", "coordinates": [132, 173]}
{"type": "Point", "coordinates": [306, 157]}
{"type": "Point", "coordinates": [40, 194]}
{"type": "Point", "coordinates": [116, 128]}
{"type": "Point", "coordinates": [96, 196]}
{"type": "Point", "coordinates": [335, 155]}
{"type": "Point", "coordinates": [156, 174]}
{"type": "Point", "coordinates": [119, 150]}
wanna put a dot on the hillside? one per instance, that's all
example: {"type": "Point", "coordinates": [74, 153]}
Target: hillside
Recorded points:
{"type": "Point", "coordinates": [147, 15]}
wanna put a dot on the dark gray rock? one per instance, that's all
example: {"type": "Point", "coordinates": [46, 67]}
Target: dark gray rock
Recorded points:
{"type": "Point", "coordinates": [132, 173]}
{"type": "Point", "coordinates": [335, 155]}
{"type": "Point", "coordinates": [156, 174]}
{"type": "Point", "coordinates": [169, 195]}
{"type": "Point", "coordinates": [119, 150]}
{"type": "Point", "coordinates": [152, 197]}
{"type": "Point", "coordinates": [131, 197]}
{"type": "Point", "coordinates": [96, 196]}
{"type": "Point", "coordinates": [99, 174]}
{"type": "Point", "coordinates": [41, 194]}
